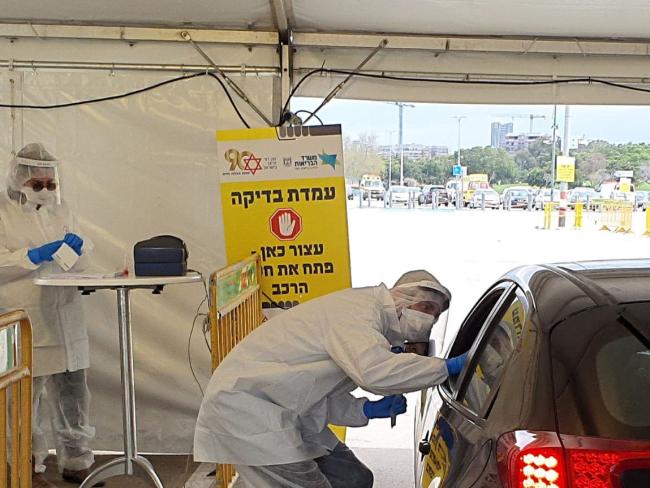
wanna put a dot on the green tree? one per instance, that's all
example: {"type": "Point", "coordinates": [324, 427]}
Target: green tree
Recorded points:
{"type": "Point", "coordinates": [496, 163]}
{"type": "Point", "coordinates": [360, 157]}
{"type": "Point", "coordinates": [537, 177]}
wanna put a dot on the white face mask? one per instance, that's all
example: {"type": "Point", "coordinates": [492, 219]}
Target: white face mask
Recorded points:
{"type": "Point", "coordinates": [43, 197]}
{"type": "Point", "coordinates": [416, 325]}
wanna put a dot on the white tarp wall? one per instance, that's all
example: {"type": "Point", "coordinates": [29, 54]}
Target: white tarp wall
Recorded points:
{"type": "Point", "coordinates": [134, 168]}
{"type": "Point", "coordinates": [147, 164]}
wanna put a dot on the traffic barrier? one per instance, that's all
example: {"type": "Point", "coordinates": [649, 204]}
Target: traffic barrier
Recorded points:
{"type": "Point", "coordinates": [578, 222]}
{"type": "Point", "coordinates": [616, 215]}
{"type": "Point", "coordinates": [235, 311]}
{"type": "Point", "coordinates": [16, 378]}
{"type": "Point", "coordinates": [647, 222]}
{"type": "Point", "coordinates": [607, 215]}
{"type": "Point", "coordinates": [625, 218]}
{"type": "Point", "coordinates": [548, 215]}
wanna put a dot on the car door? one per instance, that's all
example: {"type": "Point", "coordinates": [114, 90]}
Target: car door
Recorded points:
{"type": "Point", "coordinates": [459, 442]}
{"type": "Point", "coordinates": [434, 463]}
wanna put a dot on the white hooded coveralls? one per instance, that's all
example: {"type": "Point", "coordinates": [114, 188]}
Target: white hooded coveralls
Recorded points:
{"type": "Point", "coordinates": [60, 337]}
{"type": "Point", "coordinates": [270, 400]}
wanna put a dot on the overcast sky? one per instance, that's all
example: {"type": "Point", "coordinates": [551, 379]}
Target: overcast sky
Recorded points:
{"type": "Point", "coordinates": [432, 124]}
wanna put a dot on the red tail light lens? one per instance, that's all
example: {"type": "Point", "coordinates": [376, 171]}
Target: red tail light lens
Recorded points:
{"type": "Point", "coordinates": [597, 463]}
{"type": "Point", "coordinates": [546, 460]}
{"type": "Point", "coordinates": [531, 460]}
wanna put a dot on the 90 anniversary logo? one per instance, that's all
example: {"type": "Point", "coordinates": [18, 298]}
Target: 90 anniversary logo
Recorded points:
{"type": "Point", "coordinates": [244, 161]}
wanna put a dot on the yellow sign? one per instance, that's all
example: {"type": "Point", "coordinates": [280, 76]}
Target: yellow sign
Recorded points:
{"type": "Point", "coordinates": [283, 197]}
{"type": "Point", "coordinates": [625, 185]}
{"type": "Point", "coordinates": [438, 462]}
{"type": "Point", "coordinates": [566, 169]}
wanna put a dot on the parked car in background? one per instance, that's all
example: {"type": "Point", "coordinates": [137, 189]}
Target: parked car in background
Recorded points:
{"type": "Point", "coordinates": [452, 188]}
{"type": "Point", "coordinates": [399, 195]}
{"type": "Point", "coordinates": [610, 190]}
{"type": "Point", "coordinates": [517, 196]}
{"type": "Point", "coordinates": [426, 197]}
{"type": "Point", "coordinates": [555, 391]}
{"type": "Point", "coordinates": [543, 196]}
{"type": "Point", "coordinates": [619, 196]}
{"type": "Point", "coordinates": [492, 199]}
{"type": "Point", "coordinates": [641, 198]}
{"type": "Point", "coordinates": [583, 195]}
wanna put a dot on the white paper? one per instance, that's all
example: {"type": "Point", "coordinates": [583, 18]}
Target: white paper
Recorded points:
{"type": "Point", "coordinates": [66, 257]}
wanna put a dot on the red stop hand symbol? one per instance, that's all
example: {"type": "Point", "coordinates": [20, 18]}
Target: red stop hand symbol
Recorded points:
{"type": "Point", "coordinates": [285, 224]}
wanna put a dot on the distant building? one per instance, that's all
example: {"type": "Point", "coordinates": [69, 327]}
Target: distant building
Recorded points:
{"type": "Point", "coordinates": [518, 142]}
{"type": "Point", "coordinates": [499, 133]}
{"type": "Point", "coordinates": [413, 152]}
{"type": "Point", "coordinates": [580, 142]}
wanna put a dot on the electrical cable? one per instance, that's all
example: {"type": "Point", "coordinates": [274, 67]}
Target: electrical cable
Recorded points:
{"type": "Point", "coordinates": [329, 71]}
{"type": "Point", "coordinates": [313, 114]}
{"type": "Point", "coordinates": [274, 303]}
{"type": "Point", "coordinates": [567, 81]}
{"type": "Point", "coordinates": [232, 102]}
{"type": "Point", "coordinates": [128, 94]}
{"type": "Point", "coordinates": [197, 314]}
{"type": "Point", "coordinates": [206, 298]}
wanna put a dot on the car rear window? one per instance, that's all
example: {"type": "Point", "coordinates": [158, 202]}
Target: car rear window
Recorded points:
{"type": "Point", "coordinates": [601, 372]}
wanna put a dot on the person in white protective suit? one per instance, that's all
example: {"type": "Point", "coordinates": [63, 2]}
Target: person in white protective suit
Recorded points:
{"type": "Point", "coordinates": [34, 224]}
{"type": "Point", "coordinates": [268, 404]}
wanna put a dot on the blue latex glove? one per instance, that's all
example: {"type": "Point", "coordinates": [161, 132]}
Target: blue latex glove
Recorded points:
{"type": "Point", "coordinates": [74, 241]}
{"type": "Point", "coordinates": [384, 408]}
{"type": "Point", "coordinates": [43, 253]}
{"type": "Point", "coordinates": [455, 365]}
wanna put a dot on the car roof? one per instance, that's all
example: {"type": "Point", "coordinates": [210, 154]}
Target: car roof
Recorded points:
{"type": "Point", "coordinates": [560, 290]}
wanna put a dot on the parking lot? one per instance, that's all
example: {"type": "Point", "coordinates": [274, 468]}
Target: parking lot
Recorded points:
{"type": "Point", "coordinates": [467, 250]}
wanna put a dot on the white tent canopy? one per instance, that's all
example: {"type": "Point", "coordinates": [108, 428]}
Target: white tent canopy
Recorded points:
{"type": "Point", "coordinates": [147, 164]}
{"type": "Point", "coordinates": [602, 19]}
{"type": "Point", "coordinates": [463, 40]}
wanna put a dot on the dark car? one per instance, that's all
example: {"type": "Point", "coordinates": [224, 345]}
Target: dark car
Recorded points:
{"type": "Point", "coordinates": [641, 198]}
{"type": "Point", "coordinates": [555, 392]}
{"type": "Point", "coordinates": [426, 197]}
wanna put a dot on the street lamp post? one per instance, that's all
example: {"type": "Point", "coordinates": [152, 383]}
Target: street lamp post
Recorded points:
{"type": "Point", "coordinates": [459, 118]}
{"type": "Point", "coordinates": [401, 106]}
{"type": "Point", "coordinates": [390, 157]}
{"type": "Point", "coordinates": [459, 187]}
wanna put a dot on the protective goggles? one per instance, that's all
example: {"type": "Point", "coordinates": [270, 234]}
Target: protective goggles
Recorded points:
{"type": "Point", "coordinates": [37, 185]}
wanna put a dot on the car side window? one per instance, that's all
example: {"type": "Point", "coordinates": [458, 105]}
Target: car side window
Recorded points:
{"type": "Point", "coordinates": [493, 353]}
{"type": "Point", "coordinates": [472, 326]}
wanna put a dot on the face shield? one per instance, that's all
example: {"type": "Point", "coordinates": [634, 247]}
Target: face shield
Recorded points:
{"type": "Point", "coordinates": [33, 177]}
{"type": "Point", "coordinates": [422, 304]}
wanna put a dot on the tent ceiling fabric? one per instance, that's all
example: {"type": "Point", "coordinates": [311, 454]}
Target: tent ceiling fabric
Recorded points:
{"type": "Point", "coordinates": [555, 18]}
{"type": "Point", "coordinates": [222, 14]}
{"type": "Point", "coordinates": [561, 18]}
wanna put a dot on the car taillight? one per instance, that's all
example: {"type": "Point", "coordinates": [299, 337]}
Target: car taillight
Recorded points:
{"type": "Point", "coordinates": [545, 460]}
{"type": "Point", "coordinates": [531, 460]}
{"type": "Point", "coordinates": [599, 463]}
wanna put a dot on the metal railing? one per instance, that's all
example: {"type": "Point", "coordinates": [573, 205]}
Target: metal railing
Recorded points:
{"type": "Point", "coordinates": [16, 399]}
{"type": "Point", "coordinates": [616, 215]}
{"type": "Point", "coordinates": [235, 311]}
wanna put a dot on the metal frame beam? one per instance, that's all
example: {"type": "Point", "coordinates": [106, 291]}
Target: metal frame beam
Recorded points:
{"type": "Point", "coordinates": [135, 34]}
{"type": "Point", "coordinates": [533, 45]}
{"type": "Point", "coordinates": [279, 9]}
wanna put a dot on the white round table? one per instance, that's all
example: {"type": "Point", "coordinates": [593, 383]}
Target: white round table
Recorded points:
{"type": "Point", "coordinates": [131, 463]}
